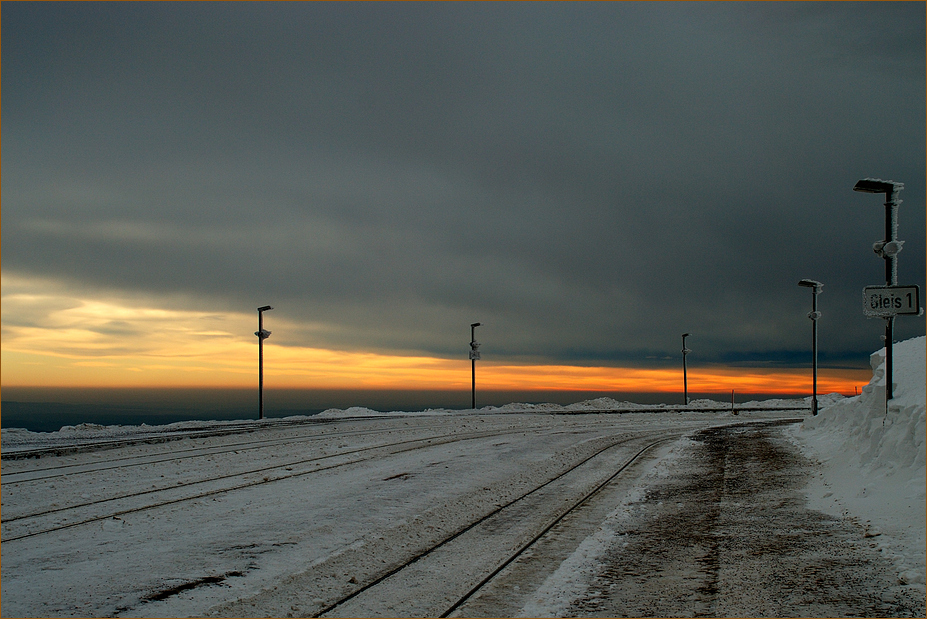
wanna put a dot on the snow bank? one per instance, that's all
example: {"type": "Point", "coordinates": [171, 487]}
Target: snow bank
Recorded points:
{"type": "Point", "coordinates": [873, 462]}
{"type": "Point", "coordinates": [360, 411]}
{"type": "Point", "coordinates": [354, 411]}
{"type": "Point", "coordinates": [523, 407]}
{"type": "Point", "coordinates": [603, 404]}
{"type": "Point", "coordinates": [597, 404]}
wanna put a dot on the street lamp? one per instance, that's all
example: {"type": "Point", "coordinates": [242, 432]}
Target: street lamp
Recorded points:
{"type": "Point", "coordinates": [816, 288]}
{"type": "Point", "coordinates": [685, 380]}
{"type": "Point", "coordinates": [262, 334]}
{"type": "Point", "coordinates": [474, 355]}
{"type": "Point", "coordinates": [887, 249]}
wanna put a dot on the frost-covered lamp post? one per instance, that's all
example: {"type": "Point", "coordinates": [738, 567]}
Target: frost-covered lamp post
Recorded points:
{"type": "Point", "coordinates": [262, 335]}
{"type": "Point", "coordinates": [474, 355]}
{"type": "Point", "coordinates": [685, 380]}
{"type": "Point", "coordinates": [816, 288]}
{"type": "Point", "coordinates": [887, 249]}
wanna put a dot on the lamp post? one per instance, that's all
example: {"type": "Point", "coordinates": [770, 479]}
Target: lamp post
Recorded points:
{"type": "Point", "coordinates": [474, 355]}
{"type": "Point", "coordinates": [685, 380]}
{"type": "Point", "coordinates": [887, 249]}
{"type": "Point", "coordinates": [816, 288]}
{"type": "Point", "coordinates": [262, 335]}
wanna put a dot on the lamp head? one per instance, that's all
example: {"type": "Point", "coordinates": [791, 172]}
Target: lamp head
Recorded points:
{"type": "Point", "coordinates": [475, 324]}
{"type": "Point", "coordinates": [810, 283]}
{"type": "Point", "coordinates": [877, 185]}
{"type": "Point", "coordinates": [265, 308]}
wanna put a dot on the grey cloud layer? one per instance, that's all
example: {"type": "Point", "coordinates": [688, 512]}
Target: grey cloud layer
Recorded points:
{"type": "Point", "coordinates": [588, 180]}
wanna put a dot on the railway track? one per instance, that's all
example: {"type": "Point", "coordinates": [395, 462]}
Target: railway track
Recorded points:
{"type": "Point", "coordinates": [336, 528]}
{"type": "Point", "coordinates": [17, 527]}
{"type": "Point", "coordinates": [438, 579]}
{"type": "Point", "coordinates": [123, 462]}
{"type": "Point", "coordinates": [69, 446]}
{"type": "Point", "coordinates": [459, 538]}
{"type": "Point", "coordinates": [547, 529]}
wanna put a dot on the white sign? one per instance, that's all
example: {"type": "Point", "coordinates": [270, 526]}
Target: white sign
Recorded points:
{"type": "Point", "coordinates": [475, 354]}
{"type": "Point", "coordinates": [884, 301]}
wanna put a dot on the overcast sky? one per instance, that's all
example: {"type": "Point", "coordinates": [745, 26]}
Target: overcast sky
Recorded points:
{"type": "Point", "coordinates": [589, 181]}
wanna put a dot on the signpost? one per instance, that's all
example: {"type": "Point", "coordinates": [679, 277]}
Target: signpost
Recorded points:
{"type": "Point", "coordinates": [886, 301]}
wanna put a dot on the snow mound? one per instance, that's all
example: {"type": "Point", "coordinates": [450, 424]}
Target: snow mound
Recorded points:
{"type": "Point", "coordinates": [873, 460]}
{"type": "Point", "coordinates": [360, 411]}
{"type": "Point", "coordinates": [354, 411]}
{"type": "Point", "coordinates": [883, 443]}
{"type": "Point", "coordinates": [602, 404]}
{"type": "Point", "coordinates": [523, 407]}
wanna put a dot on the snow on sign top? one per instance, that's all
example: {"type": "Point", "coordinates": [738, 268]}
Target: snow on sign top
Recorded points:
{"type": "Point", "coordinates": [883, 301]}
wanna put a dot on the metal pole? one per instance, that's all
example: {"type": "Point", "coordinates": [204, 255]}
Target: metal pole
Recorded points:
{"type": "Point", "coordinates": [814, 351]}
{"type": "Point", "coordinates": [262, 335]}
{"type": "Point", "coordinates": [816, 288]}
{"type": "Point", "coordinates": [891, 279]}
{"type": "Point", "coordinates": [473, 383]}
{"type": "Point", "coordinates": [260, 365]}
{"type": "Point", "coordinates": [889, 336]}
{"type": "Point", "coordinates": [473, 357]}
{"type": "Point", "coordinates": [685, 382]}
{"type": "Point", "coordinates": [685, 379]}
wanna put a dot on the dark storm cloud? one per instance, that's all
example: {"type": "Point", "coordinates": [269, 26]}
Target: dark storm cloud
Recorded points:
{"type": "Point", "coordinates": [587, 180]}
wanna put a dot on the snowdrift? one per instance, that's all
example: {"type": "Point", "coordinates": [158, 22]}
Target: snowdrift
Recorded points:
{"type": "Point", "coordinates": [889, 444]}
{"type": "Point", "coordinates": [873, 460]}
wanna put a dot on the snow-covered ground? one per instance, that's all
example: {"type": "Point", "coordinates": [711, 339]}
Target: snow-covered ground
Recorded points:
{"type": "Point", "coordinates": [18, 439]}
{"type": "Point", "coordinates": [870, 469]}
{"type": "Point", "coordinates": [872, 463]}
{"type": "Point", "coordinates": [227, 546]}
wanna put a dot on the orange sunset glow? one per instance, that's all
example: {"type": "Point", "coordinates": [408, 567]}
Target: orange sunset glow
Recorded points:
{"type": "Point", "coordinates": [235, 365]}
{"type": "Point", "coordinates": [112, 343]}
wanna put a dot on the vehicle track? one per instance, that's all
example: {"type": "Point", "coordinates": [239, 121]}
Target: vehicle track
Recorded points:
{"type": "Point", "coordinates": [486, 521]}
